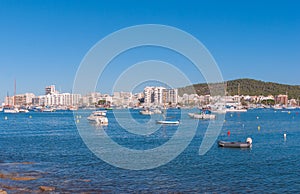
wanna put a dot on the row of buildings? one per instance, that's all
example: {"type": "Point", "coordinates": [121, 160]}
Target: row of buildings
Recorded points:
{"type": "Point", "coordinates": [52, 97]}
{"type": "Point", "coordinates": [151, 96]}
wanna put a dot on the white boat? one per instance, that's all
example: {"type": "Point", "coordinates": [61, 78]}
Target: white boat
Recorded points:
{"type": "Point", "coordinates": [219, 111]}
{"type": "Point", "coordinates": [236, 109]}
{"type": "Point", "coordinates": [168, 122]}
{"type": "Point", "coordinates": [99, 117]}
{"type": "Point", "coordinates": [146, 112]}
{"type": "Point", "coordinates": [22, 110]}
{"type": "Point", "coordinates": [101, 120]}
{"type": "Point", "coordinates": [201, 116]}
{"type": "Point", "coordinates": [11, 110]}
{"type": "Point", "coordinates": [100, 113]}
{"type": "Point", "coordinates": [48, 110]}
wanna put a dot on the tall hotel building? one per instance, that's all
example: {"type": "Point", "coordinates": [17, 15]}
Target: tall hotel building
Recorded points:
{"type": "Point", "coordinates": [160, 96]}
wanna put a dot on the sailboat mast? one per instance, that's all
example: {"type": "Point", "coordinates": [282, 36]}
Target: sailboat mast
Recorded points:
{"type": "Point", "coordinates": [239, 101]}
{"type": "Point", "coordinates": [15, 89]}
{"type": "Point", "coordinates": [7, 99]}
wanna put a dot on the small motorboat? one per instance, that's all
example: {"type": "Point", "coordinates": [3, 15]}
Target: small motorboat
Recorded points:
{"type": "Point", "coordinates": [146, 112]}
{"type": "Point", "coordinates": [246, 144]}
{"type": "Point", "coordinates": [204, 114]}
{"type": "Point", "coordinates": [168, 122]}
{"type": "Point", "coordinates": [99, 117]}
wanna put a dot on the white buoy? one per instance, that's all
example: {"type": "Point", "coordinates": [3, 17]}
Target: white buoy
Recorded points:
{"type": "Point", "coordinates": [257, 117]}
{"type": "Point", "coordinates": [284, 135]}
{"type": "Point", "coordinates": [5, 118]}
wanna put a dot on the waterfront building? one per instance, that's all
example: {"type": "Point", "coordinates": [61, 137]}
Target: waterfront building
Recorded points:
{"type": "Point", "coordinates": [23, 99]}
{"type": "Point", "coordinates": [149, 95]}
{"type": "Point", "coordinates": [160, 96]}
{"type": "Point", "coordinates": [282, 99]}
{"type": "Point", "coordinates": [170, 95]}
{"type": "Point", "coordinates": [121, 99]}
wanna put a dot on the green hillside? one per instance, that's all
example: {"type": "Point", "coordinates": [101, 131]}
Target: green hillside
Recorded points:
{"type": "Point", "coordinates": [247, 87]}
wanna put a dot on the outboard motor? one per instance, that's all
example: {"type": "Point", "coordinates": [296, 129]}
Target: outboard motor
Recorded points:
{"type": "Point", "coordinates": [249, 140]}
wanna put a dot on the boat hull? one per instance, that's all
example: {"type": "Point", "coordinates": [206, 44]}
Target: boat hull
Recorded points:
{"type": "Point", "coordinates": [11, 111]}
{"type": "Point", "coordinates": [234, 144]}
{"type": "Point", "coordinates": [98, 120]}
{"type": "Point", "coordinates": [236, 110]}
{"type": "Point", "coordinates": [168, 122]}
{"type": "Point", "coordinates": [146, 112]}
{"type": "Point", "coordinates": [201, 116]}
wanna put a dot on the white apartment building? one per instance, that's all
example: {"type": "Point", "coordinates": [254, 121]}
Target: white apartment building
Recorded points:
{"type": "Point", "coordinates": [19, 99]}
{"type": "Point", "coordinates": [160, 96]}
{"type": "Point", "coordinates": [64, 99]}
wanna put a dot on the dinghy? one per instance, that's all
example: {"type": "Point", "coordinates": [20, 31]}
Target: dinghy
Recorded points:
{"type": "Point", "coordinates": [168, 122]}
{"type": "Point", "coordinates": [246, 144]}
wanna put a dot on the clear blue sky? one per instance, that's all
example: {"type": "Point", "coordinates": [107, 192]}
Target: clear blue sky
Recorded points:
{"type": "Point", "coordinates": [43, 42]}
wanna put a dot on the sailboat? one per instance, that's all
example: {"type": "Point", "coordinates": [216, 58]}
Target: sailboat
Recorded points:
{"type": "Point", "coordinates": [239, 107]}
{"type": "Point", "coordinates": [10, 109]}
{"type": "Point", "coordinates": [167, 122]}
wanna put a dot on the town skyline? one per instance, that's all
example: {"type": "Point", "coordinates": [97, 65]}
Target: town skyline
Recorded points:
{"type": "Point", "coordinates": [150, 96]}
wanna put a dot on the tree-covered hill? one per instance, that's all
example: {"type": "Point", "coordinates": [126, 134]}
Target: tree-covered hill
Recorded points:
{"type": "Point", "coordinates": [246, 87]}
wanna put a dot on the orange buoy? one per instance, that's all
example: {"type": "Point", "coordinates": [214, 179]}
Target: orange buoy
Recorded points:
{"type": "Point", "coordinates": [228, 133]}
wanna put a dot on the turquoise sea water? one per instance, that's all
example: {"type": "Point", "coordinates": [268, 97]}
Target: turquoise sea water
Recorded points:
{"type": "Point", "coordinates": [58, 156]}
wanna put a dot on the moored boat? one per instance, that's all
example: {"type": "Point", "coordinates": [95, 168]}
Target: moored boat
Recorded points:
{"type": "Point", "coordinates": [168, 122]}
{"type": "Point", "coordinates": [146, 112]}
{"type": "Point", "coordinates": [99, 117]}
{"type": "Point", "coordinates": [48, 109]}
{"type": "Point", "coordinates": [22, 110]}
{"type": "Point", "coordinates": [100, 113]}
{"type": "Point", "coordinates": [11, 110]}
{"type": "Point", "coordinates": [247, 144]}
{"type": "Point", "coordinates": [236, 109]}
{"type": "Point", "coordinates": [203, 114]}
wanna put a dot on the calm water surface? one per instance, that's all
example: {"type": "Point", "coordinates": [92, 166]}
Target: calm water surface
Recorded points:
{"type": "Point", "coordinates": [58, 156]}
